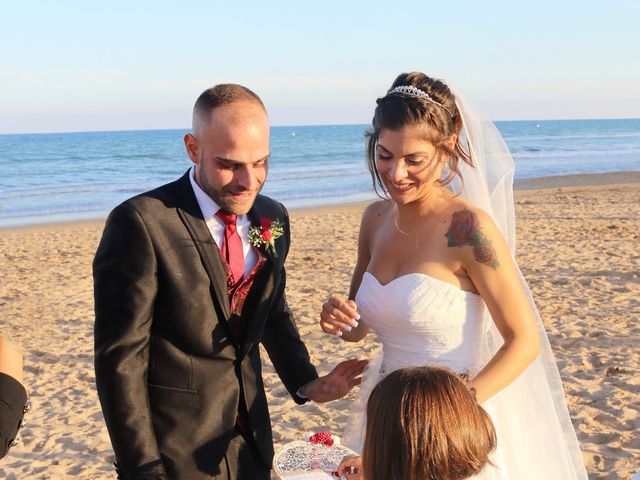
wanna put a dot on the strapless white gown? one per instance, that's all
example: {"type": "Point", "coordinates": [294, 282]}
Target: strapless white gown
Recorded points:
{"type": "Point", "coordinates": [421, 320]}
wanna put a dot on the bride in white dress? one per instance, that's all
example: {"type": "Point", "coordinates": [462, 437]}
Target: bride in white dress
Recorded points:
{"type": "Point", "coordinates": [436, 278]}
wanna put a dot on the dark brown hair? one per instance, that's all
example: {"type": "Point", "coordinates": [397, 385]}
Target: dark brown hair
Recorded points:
{"type": "Point", "coordinates": [397, 110]}
{"type": "Point", "coordinates": [424, 423]}
{"type": "Point", "coordinates": [219, 96]}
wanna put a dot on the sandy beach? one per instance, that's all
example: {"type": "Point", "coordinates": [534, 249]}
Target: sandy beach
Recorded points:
{"type": "Point", "coordinates": [578, 248]}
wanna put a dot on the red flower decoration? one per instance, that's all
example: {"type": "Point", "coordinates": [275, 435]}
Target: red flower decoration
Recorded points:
{"type": "Point", "coordinates": [464, 225]}
{"type": "Point", "coordinates": [323, 438]}
{"type": "Point", "coordinates": [265, 223]}
{"type": "Point", "coordinates": [266, 234]}
{"type": "Point", "coordinates": [485, 253]}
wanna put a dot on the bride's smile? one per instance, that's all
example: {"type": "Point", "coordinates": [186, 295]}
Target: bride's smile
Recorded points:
{"type": "Point", "coordinates": [409, 164]}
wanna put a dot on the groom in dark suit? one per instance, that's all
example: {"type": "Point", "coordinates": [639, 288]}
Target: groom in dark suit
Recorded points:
{"type": "Point", "coordinates": [189, 280]}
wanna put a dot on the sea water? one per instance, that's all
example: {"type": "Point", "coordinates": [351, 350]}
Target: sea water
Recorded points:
{"type": "Point", "coordinates": [70, 176]}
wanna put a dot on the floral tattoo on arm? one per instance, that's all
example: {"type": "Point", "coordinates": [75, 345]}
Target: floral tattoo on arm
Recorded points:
{"type": "Point", "coordinates": [465, 230]}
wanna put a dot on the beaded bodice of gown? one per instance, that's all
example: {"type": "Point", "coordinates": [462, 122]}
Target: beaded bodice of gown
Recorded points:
{"type": "Point", "coordinates": [421, 320]}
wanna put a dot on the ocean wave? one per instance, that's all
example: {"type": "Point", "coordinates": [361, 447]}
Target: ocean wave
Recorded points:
{"type": "Point", "coordinates": [547, 153]}
{"type": "Point", "coordinates": [337, 156]}
{"type": "Point", "coordinates": [321, 193]}
{"type": "Point", "coordinates": [576, 136]}
{"type": "Point", "coordinates": [72, 190]}
{"type": "Point", "coordinates": [320, 173]}
{"type": "Point", "coordinates": [47, 211]}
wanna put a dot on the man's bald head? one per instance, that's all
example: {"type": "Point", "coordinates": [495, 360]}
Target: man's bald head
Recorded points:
{"type": "Point", "coordinates": [219, 96]}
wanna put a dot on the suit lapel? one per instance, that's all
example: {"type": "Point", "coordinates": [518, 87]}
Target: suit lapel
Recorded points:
{"type": "Point", "coordinates": [261, 289]}
{"type": "Point", "coordinates": [192, 217]}
{"type": "Point", "coordinates": [254, 217]}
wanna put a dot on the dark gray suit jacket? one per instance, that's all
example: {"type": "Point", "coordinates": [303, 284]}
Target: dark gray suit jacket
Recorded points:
{"type": "Point", "coordinates": [170, 373]}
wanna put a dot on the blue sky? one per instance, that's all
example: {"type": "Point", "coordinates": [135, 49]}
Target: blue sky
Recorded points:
{"type": "Point", "coordinates": [83, 65]}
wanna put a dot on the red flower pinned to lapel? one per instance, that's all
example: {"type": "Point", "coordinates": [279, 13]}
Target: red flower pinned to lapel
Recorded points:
{"type": "Point", "coordinates": [266, 234]}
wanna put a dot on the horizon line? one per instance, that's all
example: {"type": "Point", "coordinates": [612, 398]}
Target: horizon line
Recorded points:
{"type": "Point", "coordinates": [60, 132]}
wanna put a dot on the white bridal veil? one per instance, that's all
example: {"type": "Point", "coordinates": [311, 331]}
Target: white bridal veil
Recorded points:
{"type": "Point", "coordinates": [535, 422]}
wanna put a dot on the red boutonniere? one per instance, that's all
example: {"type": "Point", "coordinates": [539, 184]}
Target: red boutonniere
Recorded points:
{"type": "Point", "coordinates": [266, 234]}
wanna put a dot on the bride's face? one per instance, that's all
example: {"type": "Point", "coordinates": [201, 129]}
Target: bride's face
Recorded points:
{"type": "Point", "coordinates": [408, 164]}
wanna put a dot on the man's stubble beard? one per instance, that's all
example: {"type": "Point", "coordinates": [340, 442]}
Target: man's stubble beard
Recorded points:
{"type": "Point", "coordinates": [217, 195]}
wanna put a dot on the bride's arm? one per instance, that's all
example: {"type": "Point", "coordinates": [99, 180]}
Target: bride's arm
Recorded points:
{"type": "Point", "coordinates": [490, 266]}
{"type": "Point", "coordinates": [339, 315]}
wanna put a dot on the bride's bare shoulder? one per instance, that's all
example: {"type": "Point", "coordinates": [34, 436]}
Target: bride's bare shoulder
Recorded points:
{"type": "Point", "coordinates": [457, 205]}
{"type": "Point", "coordinates": [372, 218]}
{"type": "Point", "coordinates": [375, 212]}
{"type": "Point", "coordinates": [470, 226]}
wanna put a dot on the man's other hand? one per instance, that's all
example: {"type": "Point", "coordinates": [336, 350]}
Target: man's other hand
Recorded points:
{"type": "Point", "coordinates": [336, 384]}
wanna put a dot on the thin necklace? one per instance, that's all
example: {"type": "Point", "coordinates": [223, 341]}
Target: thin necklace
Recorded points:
{"type": "Point", "coordinates": [395, 214]}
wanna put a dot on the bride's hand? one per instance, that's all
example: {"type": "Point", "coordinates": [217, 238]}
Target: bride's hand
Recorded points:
{"type": "Point", "coordinates": [350, 467]}
{"type": "Point", "coordinates": [338, 315]}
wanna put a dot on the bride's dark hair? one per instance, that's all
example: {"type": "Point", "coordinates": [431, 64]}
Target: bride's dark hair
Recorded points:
{"type": "Point", "coordinates": [423, 423]}
{"type": "Point", "coordinates": [441, 118]}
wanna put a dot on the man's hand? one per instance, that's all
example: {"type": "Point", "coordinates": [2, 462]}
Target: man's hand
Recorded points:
{"type": "Point", "coordinates": [336, 384]}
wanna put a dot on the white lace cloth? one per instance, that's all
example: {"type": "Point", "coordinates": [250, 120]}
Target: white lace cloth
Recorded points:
{"type": "Point", "coordinates": [298, 457]}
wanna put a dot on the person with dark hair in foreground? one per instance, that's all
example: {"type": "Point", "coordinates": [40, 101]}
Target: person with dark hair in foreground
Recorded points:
{"type": "Point", "coordinates": [422, 423]}
{"type": "Point", "coordinates": [13, 396]}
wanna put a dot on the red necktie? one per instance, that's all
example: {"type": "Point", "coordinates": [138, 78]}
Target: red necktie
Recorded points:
{"type": "Point", "coordinates": [231, 248]}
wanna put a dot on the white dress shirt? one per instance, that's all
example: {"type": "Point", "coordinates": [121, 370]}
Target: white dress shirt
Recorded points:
{"type": "Point", "coordinates": [209, 208]}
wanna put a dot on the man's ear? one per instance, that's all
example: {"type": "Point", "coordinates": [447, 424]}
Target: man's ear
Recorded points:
{"type": "Point", "coordinates": [193, 147]}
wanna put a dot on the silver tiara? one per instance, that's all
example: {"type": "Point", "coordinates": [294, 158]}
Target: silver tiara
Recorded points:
{"type": "Point", "coordinates": [416, 92]}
